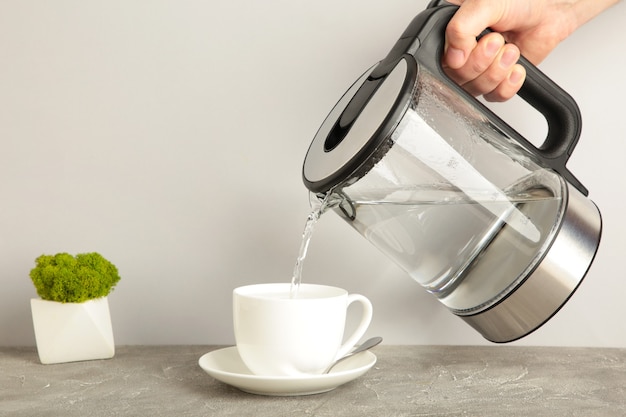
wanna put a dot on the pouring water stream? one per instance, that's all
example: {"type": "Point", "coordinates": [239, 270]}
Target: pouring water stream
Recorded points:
{"type": "Point", "coordinates": [319, 207]}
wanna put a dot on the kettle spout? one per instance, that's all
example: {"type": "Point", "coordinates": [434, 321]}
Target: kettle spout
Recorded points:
{"type": "Point", "coordinates": [321, 202]}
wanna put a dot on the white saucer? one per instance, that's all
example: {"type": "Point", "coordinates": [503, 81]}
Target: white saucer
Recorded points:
{"type": "Point", "coordinates": [226, 365]}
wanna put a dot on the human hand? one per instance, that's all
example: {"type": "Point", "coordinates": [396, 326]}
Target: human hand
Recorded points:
{"type": "Point", "coordinates": [532, 28]}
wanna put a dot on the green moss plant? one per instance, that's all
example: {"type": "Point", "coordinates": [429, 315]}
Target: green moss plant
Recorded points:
{"type": "Point", "coordinates": [73, 279]}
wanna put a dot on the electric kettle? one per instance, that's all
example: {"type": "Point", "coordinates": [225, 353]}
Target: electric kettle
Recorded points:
{"type": "Point", "coordinates": [496, 228]}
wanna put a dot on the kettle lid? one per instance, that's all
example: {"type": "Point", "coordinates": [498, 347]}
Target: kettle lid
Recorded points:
{"type": "Point", "coordinates": [357, 132]}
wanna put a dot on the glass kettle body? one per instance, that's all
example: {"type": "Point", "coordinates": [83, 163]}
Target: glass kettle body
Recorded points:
{"type": "Point", "coordinates": [494, 227]}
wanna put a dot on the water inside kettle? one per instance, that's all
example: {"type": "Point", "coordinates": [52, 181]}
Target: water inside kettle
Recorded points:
{"type": "Point", "coordinates": [467, 251]}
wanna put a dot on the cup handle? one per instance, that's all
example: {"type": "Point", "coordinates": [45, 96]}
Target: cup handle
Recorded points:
{"type": "Point", "coordinates": [361, 328]}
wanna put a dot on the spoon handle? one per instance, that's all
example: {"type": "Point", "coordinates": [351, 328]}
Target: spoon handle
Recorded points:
{"type": "Point", "coordinates": [368, 344]}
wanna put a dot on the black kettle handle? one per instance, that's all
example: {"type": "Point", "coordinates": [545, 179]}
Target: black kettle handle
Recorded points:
{"type": "Point", "coordinates": [556, 105]}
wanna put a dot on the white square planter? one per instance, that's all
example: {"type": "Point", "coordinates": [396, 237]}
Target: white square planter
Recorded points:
{"type": "Point", "coordinates": [69, 332]}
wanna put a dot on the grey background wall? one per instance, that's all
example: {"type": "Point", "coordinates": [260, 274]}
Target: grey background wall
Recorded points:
{"type": "Point", "coordinates": [169, 136]}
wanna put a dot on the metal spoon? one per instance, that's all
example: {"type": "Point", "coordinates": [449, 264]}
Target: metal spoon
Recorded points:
{"type": "Point", "coordinates": [368, 344]}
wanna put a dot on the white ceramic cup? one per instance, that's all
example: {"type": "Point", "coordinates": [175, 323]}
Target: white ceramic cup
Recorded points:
{"type": "Point", "coordinates": [280, 335]}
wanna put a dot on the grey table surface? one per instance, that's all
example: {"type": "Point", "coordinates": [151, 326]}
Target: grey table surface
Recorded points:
{"type": "Point", "coordinates": [499, 380]}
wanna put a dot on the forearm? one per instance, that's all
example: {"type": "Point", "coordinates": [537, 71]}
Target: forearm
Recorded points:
{"type": "Point", "coordinates": [585, 10]}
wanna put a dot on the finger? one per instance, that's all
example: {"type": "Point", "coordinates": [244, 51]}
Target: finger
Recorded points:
{"type": "Point", "coordinates": [468, 22]}
{"type": "Point", "coordinates": [509, 87]}
{"type": "Point", "coordinates": [496, 73]}
{"type": "Point", "coordinates": [481, 58]}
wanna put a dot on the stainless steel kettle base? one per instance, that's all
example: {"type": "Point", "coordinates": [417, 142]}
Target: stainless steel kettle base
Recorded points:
{"type": "Point", "coordinates": [554, 280]}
